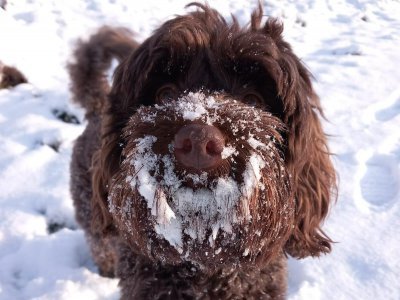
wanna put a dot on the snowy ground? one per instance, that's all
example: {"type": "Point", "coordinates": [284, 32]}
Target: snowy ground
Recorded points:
{"type": "Point", "coordinates": [352, 48]}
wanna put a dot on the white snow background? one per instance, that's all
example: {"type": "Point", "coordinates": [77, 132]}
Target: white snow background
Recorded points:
{"type": "Point", "coordinates": [351, 46]}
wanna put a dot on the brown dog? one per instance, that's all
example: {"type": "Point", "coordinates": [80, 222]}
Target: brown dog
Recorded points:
{"type": "Point", "coordinates": [206, 163]}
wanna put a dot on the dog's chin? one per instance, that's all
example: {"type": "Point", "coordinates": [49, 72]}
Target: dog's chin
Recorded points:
{"type": "Point", "coordinates": [192, 226]}
{"type": "Point", "coordinates": [221, 224]}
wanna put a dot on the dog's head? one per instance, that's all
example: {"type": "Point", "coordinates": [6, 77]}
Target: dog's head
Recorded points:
{"type": "Point", "coordinates": [212, 148]}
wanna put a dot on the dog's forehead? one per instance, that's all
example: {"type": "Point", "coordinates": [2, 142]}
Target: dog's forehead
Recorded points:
{"type": "Point", "coordinates": [201, 50]}
{"type": "Point", "coordinates": [204, 41]}
{"type": "Point", "coordinates": [206, 68]}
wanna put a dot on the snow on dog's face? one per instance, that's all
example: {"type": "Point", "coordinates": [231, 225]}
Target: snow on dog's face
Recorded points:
{"type": "Point", "coordinates": [241, 209]}
{"type": "Point", "coordinates": [238, 212]}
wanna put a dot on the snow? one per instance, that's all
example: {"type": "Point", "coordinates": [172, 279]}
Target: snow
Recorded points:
{"type": "Point", "coordinates": [351, 47]}
{"type": "Point", "coordinates": [192, 109]}
{"type": "Point", "coordinates": [190, 211]}
{"type": "Point", "coordinates": [227, 151]}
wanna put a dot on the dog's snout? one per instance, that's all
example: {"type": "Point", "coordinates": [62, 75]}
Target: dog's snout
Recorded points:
{"type": "Point", "coordinates": [199, 146]}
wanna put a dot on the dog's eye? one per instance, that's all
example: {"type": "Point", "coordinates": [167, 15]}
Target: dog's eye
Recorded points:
{"type": "Point", "coordinates": [253, 99]}
{"type": "Point", "coordinates": [167, 92]}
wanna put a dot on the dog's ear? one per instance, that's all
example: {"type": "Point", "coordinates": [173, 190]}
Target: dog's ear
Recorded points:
{"type": "Point", "coordinates": [314, 179]}
{"type": "Point", "coordinates": [104, 162]}
{"type": "Point", "coordinates": [307, 154]}
{"type": "Point", "coordinates": [121, 104]}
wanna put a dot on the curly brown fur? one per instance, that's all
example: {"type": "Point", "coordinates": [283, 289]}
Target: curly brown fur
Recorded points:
{"type": "Point", "coordinates": [10, 77]}
{"type": "Point", "coordinates": [234, 247]}
{"type": "Point", "coordinates": [142, 279]}
{"type": "Point", "coordinates": [90, 88]}
{"type": "Point", "coordinates": [93, 58]}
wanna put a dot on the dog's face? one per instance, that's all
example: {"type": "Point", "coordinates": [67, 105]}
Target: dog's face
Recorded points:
{"type": "Point", "coordinates": [203, 179]}
{"type": "Point", "coordinates": [212, 152]}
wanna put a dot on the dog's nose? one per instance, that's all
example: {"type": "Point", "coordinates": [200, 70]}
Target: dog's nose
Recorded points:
{"type": "Point", "coordinates": [199, 146]}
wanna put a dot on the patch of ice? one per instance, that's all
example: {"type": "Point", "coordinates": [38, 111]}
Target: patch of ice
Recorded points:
{"type": "Point", "coordinates": [172, 232]}
{"type": "Point", "coordinates": [192, 111]}
{"type": "Point", "coordinates": [251, 179]}
{"type": "Point", "coordinates": [143, 162]}
{"type": "Point", "coordinates": [198, 178]}
{"type": "Point", "coordinates": [170, 179]}
{"type": "Point", "coordinates": [205, 208]}
{"type": "Point", "coordinates": [227, 151]}
{"type": "Point", "coordinates": [196, 106]}
{"type": "Point", "coordinates": [163, 211]}
{"type": "Point", "coordinates": [255, 165]}
{"type": "Point", "coordinates": [255, 144]}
